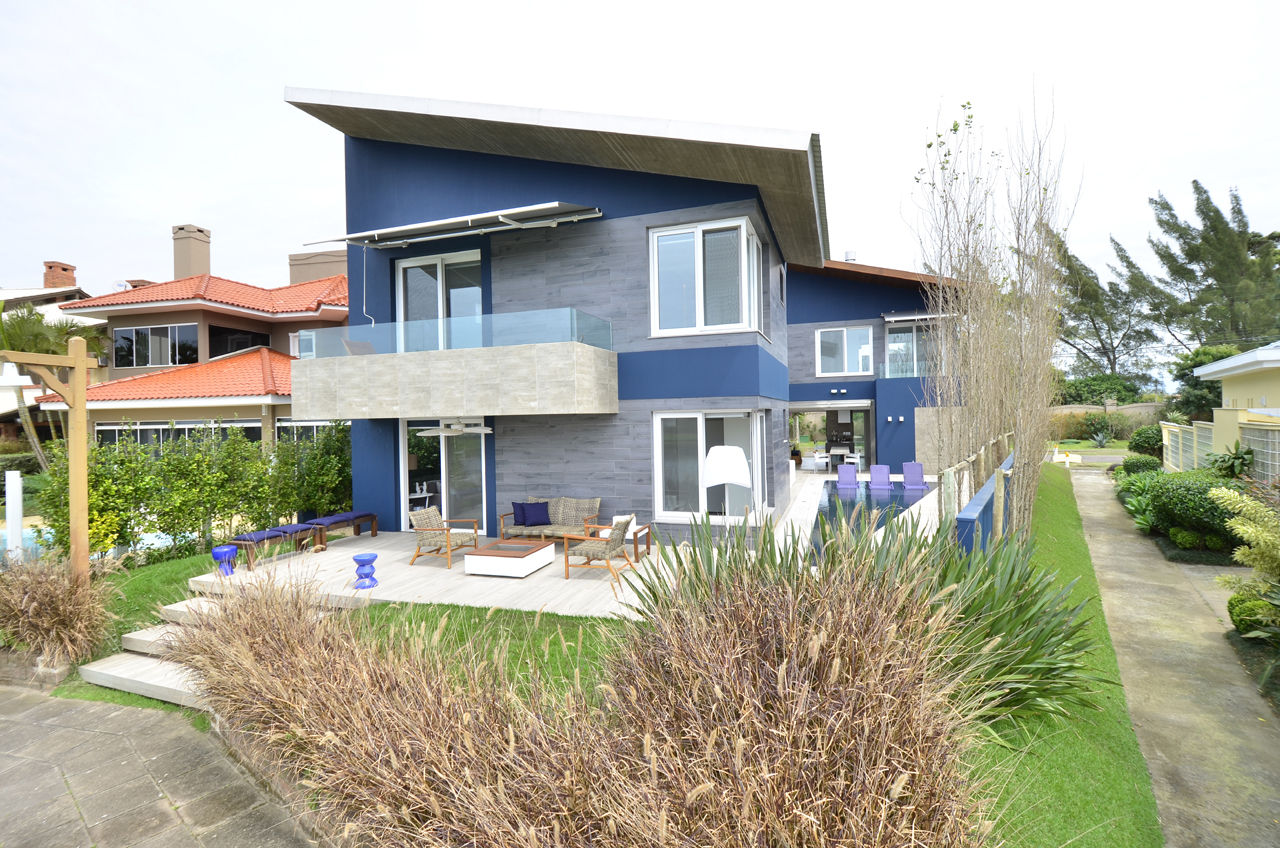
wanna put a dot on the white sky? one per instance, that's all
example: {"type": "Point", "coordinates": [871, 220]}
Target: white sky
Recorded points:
{"type": "Point", "coordinates": [118, 120]}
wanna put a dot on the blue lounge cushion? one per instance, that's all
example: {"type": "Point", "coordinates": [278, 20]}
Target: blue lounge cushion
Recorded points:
{"type": "Point", "coordinates": [518, 510]}
{"type": "Point", "coordinates": [340, 518]}
{"type": "Point", "coordinates": [257, 537]}
{"type": "Point", "coordinates": [292, 529]}
{"type": "Point", "coordinates": [537, 514]}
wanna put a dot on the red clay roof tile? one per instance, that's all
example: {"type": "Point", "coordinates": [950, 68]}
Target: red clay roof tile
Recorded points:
{"type": "Point", "coordinates": [300, 297]}
{"type": "Point", "coordinates": [250, 373]}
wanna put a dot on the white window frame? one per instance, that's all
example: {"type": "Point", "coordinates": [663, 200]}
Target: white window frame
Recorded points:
{"type": "Point", "coordinates": [760, 460]}
{"type": "Point", "coordinates": [751, 308]}
{"type": "Point", "coordinates": [844, 344]}
{"type": "Point", "coordinates": [403, 470]}
{"type": "Point", "coordinates": [149, 328]}
{"type": "Point", "coordinates": [439, 260]}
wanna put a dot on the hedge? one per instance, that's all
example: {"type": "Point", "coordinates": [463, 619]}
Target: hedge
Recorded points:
{"type": "Point", "coordinates": [1147, 440]}
{"type": "Point", "coordinates": [1140, 464]}
{"type": "Point", "coordinates": [1181, 499]}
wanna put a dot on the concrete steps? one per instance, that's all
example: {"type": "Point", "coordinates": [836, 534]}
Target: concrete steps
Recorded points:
{"type": "Point", "coordinates": [184, 612]}
{"type": "Point", "coordinates": [151, 677]}
{"type": "Point", "coordinates": [152, 641]}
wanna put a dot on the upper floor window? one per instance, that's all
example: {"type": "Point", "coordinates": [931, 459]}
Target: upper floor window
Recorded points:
{"type": "Point", "coordinates": [908, 350]}
{"type": "Point", "coordinates": [173, 344]}
{"type": "Point", "coordinates": [439, 300]}
{"type": "Point", "coordinates": [844, 352]}
{"type": "Point", "coordinates": [224, 340]}
{"type": "Point", "coordinates": [705, 278]}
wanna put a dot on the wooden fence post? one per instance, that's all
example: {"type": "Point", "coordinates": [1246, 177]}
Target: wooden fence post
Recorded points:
{"type": "Point", "coordinates": [949, 495]}
{"type": "Point", "coordinates": [997, 512]}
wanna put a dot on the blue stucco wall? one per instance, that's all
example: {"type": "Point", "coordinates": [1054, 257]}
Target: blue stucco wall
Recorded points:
{"type": "Point", "coordinates": [896, 440]}
{"type": "Point", "coordinates": [734, 371]}
{"type": "Point", "coordinates": [812, 298]}
{"type": "Point", "coordinates": [375, 469]}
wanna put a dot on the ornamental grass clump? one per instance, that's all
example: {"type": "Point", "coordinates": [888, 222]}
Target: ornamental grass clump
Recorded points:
{"type": "Point", "coordinates": [46, 610]}
{"type": "Point", "coordinates": [796, 711]}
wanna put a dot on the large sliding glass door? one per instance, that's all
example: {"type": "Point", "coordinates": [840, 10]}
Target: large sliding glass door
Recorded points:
{"type": "Point", "coordinates": [443, 471]}
{"type": "Point", "coordinates": [438, 299]}
{"type": "Point", "coordinates": [682, 441]}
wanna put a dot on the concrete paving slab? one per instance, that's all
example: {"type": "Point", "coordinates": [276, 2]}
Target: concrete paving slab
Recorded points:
{"type": "Point", "coordinates": [126, 828]}
{"type": "Point", "coordinates": [1210, 741]}
{"type": "Point", "coordinates": [77, 783]}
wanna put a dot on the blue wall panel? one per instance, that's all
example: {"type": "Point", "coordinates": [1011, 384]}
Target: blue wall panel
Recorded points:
{"type": "Point", "coordinates": [375, 464]}
{"type": "Point", "coordinates": [974, 522]}
{"type": "Point", "coordinates": [896, 440]}
{"type": "Point", "coordinates": [853, 390]}
{"type": "Point", "coordinates": [736, 371]}
{"type": "Point", "coordinates": [390, 184]}
{"type": "Point", "coordinates": [813, 298]}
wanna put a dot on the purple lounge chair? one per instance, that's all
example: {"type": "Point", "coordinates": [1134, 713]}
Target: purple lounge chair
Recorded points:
{"type": "Point", "coordinates": [913, 476]}
{"type": "Point", "coordinates": [879, 477]}
{"type": "Point", "coordinates": [846, 476]}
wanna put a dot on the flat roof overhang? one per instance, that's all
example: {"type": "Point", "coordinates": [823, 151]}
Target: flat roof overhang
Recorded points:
{"type": "Point", "coordinates": [551, 214]}
{"type": "Point", "coordinates": [785, 166]}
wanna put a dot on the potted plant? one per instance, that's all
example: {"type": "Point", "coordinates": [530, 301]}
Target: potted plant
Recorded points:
{"type": "Point", "coordinates": [795, 453]}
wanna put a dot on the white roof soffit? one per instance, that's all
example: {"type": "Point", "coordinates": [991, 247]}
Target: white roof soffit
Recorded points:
{"type": "Point", "coordinates": [520, 218]}
{"type": "Point", "coordinates": [785, 165]}
{"type": "Point", "coordinates": [1258, 359]}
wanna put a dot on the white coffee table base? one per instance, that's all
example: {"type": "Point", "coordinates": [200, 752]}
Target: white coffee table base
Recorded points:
{"type": "Point", "coordinates": [509, 566]}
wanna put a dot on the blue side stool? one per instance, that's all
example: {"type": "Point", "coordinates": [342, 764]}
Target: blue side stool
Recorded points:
{"type": "Point", "coordinates": [225, 557]}
{"type": "Point", "coordinates": [364, 571]}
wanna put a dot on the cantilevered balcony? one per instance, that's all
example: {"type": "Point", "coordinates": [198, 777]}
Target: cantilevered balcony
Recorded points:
{"type": "Point", "coordinates": [544, 362]}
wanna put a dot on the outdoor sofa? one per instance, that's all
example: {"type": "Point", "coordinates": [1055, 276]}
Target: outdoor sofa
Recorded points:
{"type": "Point", "coordinates": [566, 516]}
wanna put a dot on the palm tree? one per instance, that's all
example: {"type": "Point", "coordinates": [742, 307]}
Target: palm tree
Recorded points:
{"type": "Point", "coordinates": [26, 330]}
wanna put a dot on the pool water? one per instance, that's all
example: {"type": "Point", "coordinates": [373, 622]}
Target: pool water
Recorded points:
{"type": "Point", "coordinates": [889, 502]}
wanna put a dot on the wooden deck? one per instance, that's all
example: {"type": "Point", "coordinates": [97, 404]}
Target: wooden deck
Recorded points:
{"type": "Point", "coordinates": [587, 592]}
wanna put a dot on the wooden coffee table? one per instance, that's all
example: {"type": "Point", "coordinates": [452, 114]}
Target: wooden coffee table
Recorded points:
{"type": "Point", "coordinates": [510, 558]}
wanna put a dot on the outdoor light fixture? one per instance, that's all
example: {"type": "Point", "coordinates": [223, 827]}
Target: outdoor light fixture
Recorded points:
{"type": "Point", "coordinates": [844, 391]}
{"type": "Point", "coordinates": [901, 419]}
{"type": "Point", "coordinates": [833, 391]}
{"type": "Point", "coordinates": [888, 419]}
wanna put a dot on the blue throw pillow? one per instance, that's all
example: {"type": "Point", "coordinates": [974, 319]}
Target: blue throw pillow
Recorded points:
{"type": "Point", "coordinates": [536, 514]}
{"type": "Point", "coordinates": [518, 509]}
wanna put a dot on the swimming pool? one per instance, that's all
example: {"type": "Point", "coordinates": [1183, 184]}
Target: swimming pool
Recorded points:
{"type": "Point", "coordinates": [889, 502]}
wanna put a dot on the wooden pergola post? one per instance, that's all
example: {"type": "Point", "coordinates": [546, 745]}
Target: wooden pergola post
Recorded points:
{"type": "Point", "coordinates": [74, 393]}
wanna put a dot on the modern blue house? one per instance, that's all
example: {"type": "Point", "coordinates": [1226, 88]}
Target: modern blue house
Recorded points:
{"type": "Point", "coordinates": [548, 304]}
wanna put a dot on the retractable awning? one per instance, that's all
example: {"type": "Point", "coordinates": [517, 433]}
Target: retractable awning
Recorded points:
{"type": "Point", "coordinates": [550, 214]}
{"type": "Point", "coordinates": [895, 317]}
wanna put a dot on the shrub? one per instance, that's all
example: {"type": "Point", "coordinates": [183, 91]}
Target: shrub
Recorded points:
{"type": "Point", "coordinates": [1097, 388]}
{"type": "Point", "coordinates": [1147, 440]}
{"type": "Point", "coordinates": [1139, 464]}
{"type": "Point", "coordinates": [1257, 526]}
{"type": "Point", "coordinates": [1215, 542]}
{"type": "Point", "coordinates": [24, 462]}
{"type": "Point", "coordinates": [1136, 484]}
{"type": "Point", "coordinates": [1251, 615]}
{"type": "Point", "coordinates": [1188, 540]}
{"type": "Point", "coordinates": [1117, 425]}
{"type": "Point", "coordinates": [45, 609]}
{"type": "Point", "coordinates": [12, 446]}
{"type": "Point", "coordinates": [1181, 499]}
{"type": "Point", "coordinates": [818, 688]}
{"type": "Point", "coordinates": [1068, 425]}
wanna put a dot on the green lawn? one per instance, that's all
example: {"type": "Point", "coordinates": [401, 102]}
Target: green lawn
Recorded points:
{"type": "Point", "coordinates": [1087, 446]}
{"type": "Point", "coordinates": [141, 591]}
{"type": "Point", "coordinates": [1081, 781]}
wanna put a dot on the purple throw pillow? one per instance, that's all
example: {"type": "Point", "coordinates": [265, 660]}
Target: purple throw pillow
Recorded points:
{"type": "Point", "coordinates": [518, 509]}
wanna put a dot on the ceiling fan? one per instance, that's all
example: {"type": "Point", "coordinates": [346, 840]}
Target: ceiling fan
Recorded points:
{"type": "Point", "coordinates": [456, 428]}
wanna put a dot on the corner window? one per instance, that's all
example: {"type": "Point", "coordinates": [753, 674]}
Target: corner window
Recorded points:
{"type": "Point", "coordinates": [140, 347]}
{"type": "Point", "coordinates": [907, 351]}
{"type": "Point", "coordinates": [682, 441]}
{"type": "Point", "coordinates": [705, 278]}
{"type": "Point", "coordinates": [844, 352]}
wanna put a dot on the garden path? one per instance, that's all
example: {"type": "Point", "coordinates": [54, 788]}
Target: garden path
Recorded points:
{"type": "Point", "coordinates": [81, 773]}
{"type": "Point", "coordinates": [1210, 741]}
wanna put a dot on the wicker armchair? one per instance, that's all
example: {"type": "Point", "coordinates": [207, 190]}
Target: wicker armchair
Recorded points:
{"type": "Point", "coordinates": [594, 548]}
{"type": "Point", "coordinates": [437, 538]}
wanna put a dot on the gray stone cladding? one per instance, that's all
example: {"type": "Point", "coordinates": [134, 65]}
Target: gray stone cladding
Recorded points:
{"type": "Point", "coordinates": [611, 456]}
{"type": "Point", "coordinates": [602, 267]}
{"type": "Point", "coordinates": [802, 350]}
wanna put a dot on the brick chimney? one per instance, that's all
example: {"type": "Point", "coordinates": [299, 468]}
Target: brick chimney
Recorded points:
{"type": "Point", "coordinates": [59, 275]}
{"type": "Point", "coordinates": [190, 251]}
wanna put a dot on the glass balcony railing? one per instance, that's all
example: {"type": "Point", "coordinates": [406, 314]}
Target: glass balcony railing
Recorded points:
{"type": "Point", "coordinates": [903, 367]}
{"type": "Point", "coordinates": [541, 326]}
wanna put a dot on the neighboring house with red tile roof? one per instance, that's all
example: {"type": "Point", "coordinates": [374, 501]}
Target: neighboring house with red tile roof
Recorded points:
{"type": "Point", "coordinates": [202, 347]}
